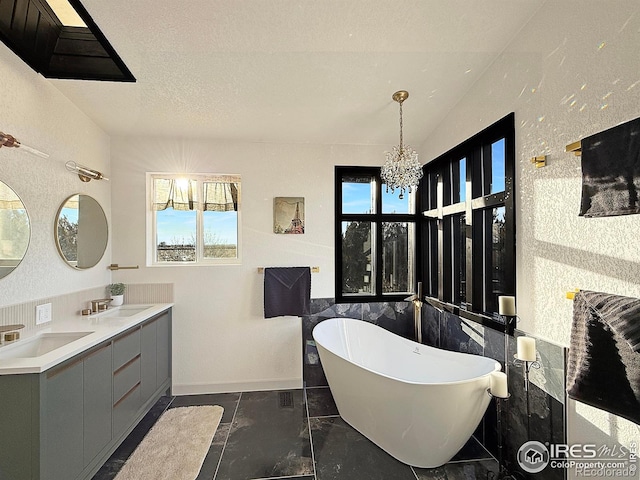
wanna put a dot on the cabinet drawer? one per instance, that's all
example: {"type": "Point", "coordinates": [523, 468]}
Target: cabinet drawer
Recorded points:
{"type": "Point", "coordinates": [125, 410]}
{"type": "Point", "coordinates": [126, 348]}
{"type": "Point", "coordinates": [125, 378]}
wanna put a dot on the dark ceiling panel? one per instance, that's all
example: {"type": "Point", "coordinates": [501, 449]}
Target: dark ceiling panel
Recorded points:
{"type": "Point", "coordinates": [34, 33]}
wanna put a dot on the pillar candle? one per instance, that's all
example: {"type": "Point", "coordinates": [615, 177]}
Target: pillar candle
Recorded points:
{"type": "Point", "coordinates": [526, 349]}
{"type": "Point", "coordinates": [507, 305]}
{"type": "Point", "coordinates": [499, 384]}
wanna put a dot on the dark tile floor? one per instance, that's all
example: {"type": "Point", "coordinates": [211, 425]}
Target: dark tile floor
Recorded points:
{"type": "Point", "coordinates": [283, 435]}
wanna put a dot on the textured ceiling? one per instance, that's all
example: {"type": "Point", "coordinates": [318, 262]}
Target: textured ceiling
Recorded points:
{"type": "Point", "coordinates": [290, 71]}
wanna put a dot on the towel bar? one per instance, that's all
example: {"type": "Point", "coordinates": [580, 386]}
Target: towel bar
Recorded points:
{"type": "Point", "coordinates": [575, 147]}
{"type": "Point", "coordinates": [115, 266]}
{"type": "Point", "coordinates": [313, 269]}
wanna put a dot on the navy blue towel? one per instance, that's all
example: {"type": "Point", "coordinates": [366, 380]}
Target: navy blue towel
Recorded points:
{"type": "Point", "coordinates": [604, 360]}
{"type": "Point", "coordinates": [287, 291]}
{"type": "Point", "coordinates": [611, 171]}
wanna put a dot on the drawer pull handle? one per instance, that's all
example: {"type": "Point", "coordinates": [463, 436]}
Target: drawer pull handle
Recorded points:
{"type": "Point", "coordinates": [124, 397]}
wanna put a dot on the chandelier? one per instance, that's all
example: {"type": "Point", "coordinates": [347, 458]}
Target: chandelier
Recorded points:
{"type": "Point", "coordinates": [401, 170]}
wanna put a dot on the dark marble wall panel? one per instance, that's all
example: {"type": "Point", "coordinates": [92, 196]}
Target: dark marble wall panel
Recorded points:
{"type": "Point", "coordinates": [430, 325]}
{"type": "Point", "coordinates": [461, 335]}
{"type": "Point", "coordinates": [536, 414]}
{"type": "Point", "coordinates": [396, 317]}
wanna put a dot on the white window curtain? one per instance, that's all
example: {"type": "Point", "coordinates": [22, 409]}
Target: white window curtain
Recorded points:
{"type": "Point", "coordinates": [220, 194]}
{"type": "Point", "coordinates": [174, 193]}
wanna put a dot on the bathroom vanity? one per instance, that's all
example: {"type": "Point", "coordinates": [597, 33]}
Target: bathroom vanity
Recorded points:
{"type": "Point", "coordinates": [65, 411]}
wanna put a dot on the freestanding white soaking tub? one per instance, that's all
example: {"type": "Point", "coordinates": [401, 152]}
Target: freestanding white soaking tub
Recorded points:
{"type": "Point", "coordinates": [418, 403]}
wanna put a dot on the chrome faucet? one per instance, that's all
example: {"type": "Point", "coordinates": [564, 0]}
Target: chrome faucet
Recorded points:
{"type": "Point", "coordinates": [99, 305]}
{"type": "Point", "coordinates": [9, 333]}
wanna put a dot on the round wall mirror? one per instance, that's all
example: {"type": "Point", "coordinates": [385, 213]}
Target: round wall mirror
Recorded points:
{"type": "Point", "coordinates": [15, 230]}
{"type": "Point", "coordinates": [81, 231]}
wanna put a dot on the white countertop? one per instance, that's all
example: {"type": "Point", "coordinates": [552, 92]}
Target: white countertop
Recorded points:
{"type": "Point", "coordinates": [101, 326]}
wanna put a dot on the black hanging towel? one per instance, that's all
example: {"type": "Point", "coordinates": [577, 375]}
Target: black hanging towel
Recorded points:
{"type": "Point", "coordinates": [287, 291]}
{"type": "Point", "coordinates": [604, 358]}
{"type": "Point", "coordinates": [611, 171]}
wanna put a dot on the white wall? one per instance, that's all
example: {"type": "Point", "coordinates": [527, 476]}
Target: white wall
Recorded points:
{"type": "Point", "coordinates": [39, 116]}
{"type": "Point", "coordinates": [221, 340]}
{"type": "Point", "coordinates": [571, 72]}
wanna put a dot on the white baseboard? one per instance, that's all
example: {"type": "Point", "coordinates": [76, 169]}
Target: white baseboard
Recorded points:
{"type": "Point", "coordinates": [249, 386]}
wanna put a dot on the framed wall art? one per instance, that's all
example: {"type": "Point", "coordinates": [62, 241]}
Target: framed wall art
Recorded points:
{"type": "Point", "coordinates": [288, 215]}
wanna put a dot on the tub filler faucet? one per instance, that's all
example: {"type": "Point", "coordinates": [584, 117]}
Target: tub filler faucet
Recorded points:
{"type": "Point", "coordinates": [416, 299]}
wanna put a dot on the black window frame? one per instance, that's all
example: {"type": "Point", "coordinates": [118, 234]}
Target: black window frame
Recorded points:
{"type": "Point", "coordinates": [376, 218]}
{"type": "Point", "coordinates": [440, 236]}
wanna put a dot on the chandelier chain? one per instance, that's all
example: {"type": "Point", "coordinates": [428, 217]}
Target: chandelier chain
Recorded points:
{"type": "Point", "coordinates": [401, 147]}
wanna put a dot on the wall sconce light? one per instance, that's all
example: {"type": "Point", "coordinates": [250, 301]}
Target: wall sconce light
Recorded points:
{"type": "Point", "coordinates": [9, 141]}
{"type": "Point", "coordinates": [84, 173]}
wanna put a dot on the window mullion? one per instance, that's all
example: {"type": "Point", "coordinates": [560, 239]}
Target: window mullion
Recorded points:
{"type": "Point", "coordinates": [441, 234]}
{"type": "Point", "coordinates": [468, 233]}
{"type": "Point", "coordinates": [199, 222]}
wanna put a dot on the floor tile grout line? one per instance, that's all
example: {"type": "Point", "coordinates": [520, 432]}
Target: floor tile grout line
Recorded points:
{"type": "Point", "coordinates": [491, 459]}
{"type": "Point", "coordinates": [277, 478]}
{"type": "Point", "coordinates": [325, 416]}
{"type": "Point", "coordinates": [235, 411]}
{"type": "Point", "coordinates": [313, 455]}
{"type": "Point", "coordinates": [414, 472]}
{"type": "Point", "coordinates": [485, 449]}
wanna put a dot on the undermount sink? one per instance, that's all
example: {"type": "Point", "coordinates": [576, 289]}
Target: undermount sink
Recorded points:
{"type": "Point", "coordinates": [123, 312]}
{"type": "Point", "coordinates": [40, 344]}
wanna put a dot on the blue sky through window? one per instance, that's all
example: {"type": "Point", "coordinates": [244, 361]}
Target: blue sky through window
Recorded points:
{"type": "Point", "coordinates": [175, 227]}
{"type": "Point", "coordinates": [222, 226]}
{"type": "Point", "coordinates": [357, 198]}
{"type": "Point", "coordinates": [178, 226]}
{"type": "Point", "coordinates": [497, 166]}
{"type": "Point", "coordinates": [391, 202]}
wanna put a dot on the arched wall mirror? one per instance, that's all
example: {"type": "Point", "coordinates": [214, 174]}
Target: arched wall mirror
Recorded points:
{"type": "Point", "coordinates": [81, 231]}
{"type": "Point", "coordinates": [15, 230]}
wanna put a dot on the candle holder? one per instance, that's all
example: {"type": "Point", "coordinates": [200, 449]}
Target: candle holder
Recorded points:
{"type": "Point", "coordinates": [526, 368]}
{"type": "Point", "coordinates": [526, 365]}
{"type": "Point", "coordinates": [503, 472]}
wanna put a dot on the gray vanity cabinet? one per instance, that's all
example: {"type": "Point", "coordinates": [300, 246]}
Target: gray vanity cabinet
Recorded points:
{"type": "Point", "coordinates": [149, 344]}
{"type": "Point", "coordinates": [163, 349]}
{"type": "Point", "coordinates": [63, 424]}
{"type": "Point", "coordinates": [97, 401]}
{"type": "Point", "coordinates": [61, 417]}
{"type": "Point", "coordinates": [156, 354]}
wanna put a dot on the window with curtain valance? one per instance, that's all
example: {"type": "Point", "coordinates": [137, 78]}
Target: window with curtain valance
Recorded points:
{"type": "Point", "coordinates": [194, 218]}
{"type": "Point", "coordinates": [219, 194]}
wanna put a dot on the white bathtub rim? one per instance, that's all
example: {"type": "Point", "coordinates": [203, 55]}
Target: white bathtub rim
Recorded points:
{"type": "Point", "coordinates": [497, 365]}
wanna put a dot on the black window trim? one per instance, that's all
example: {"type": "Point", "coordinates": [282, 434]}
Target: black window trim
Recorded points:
{"type": "Point", "coordinates": [503, 128]}
{"type": "Point", "coordinates": [377, 218]}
